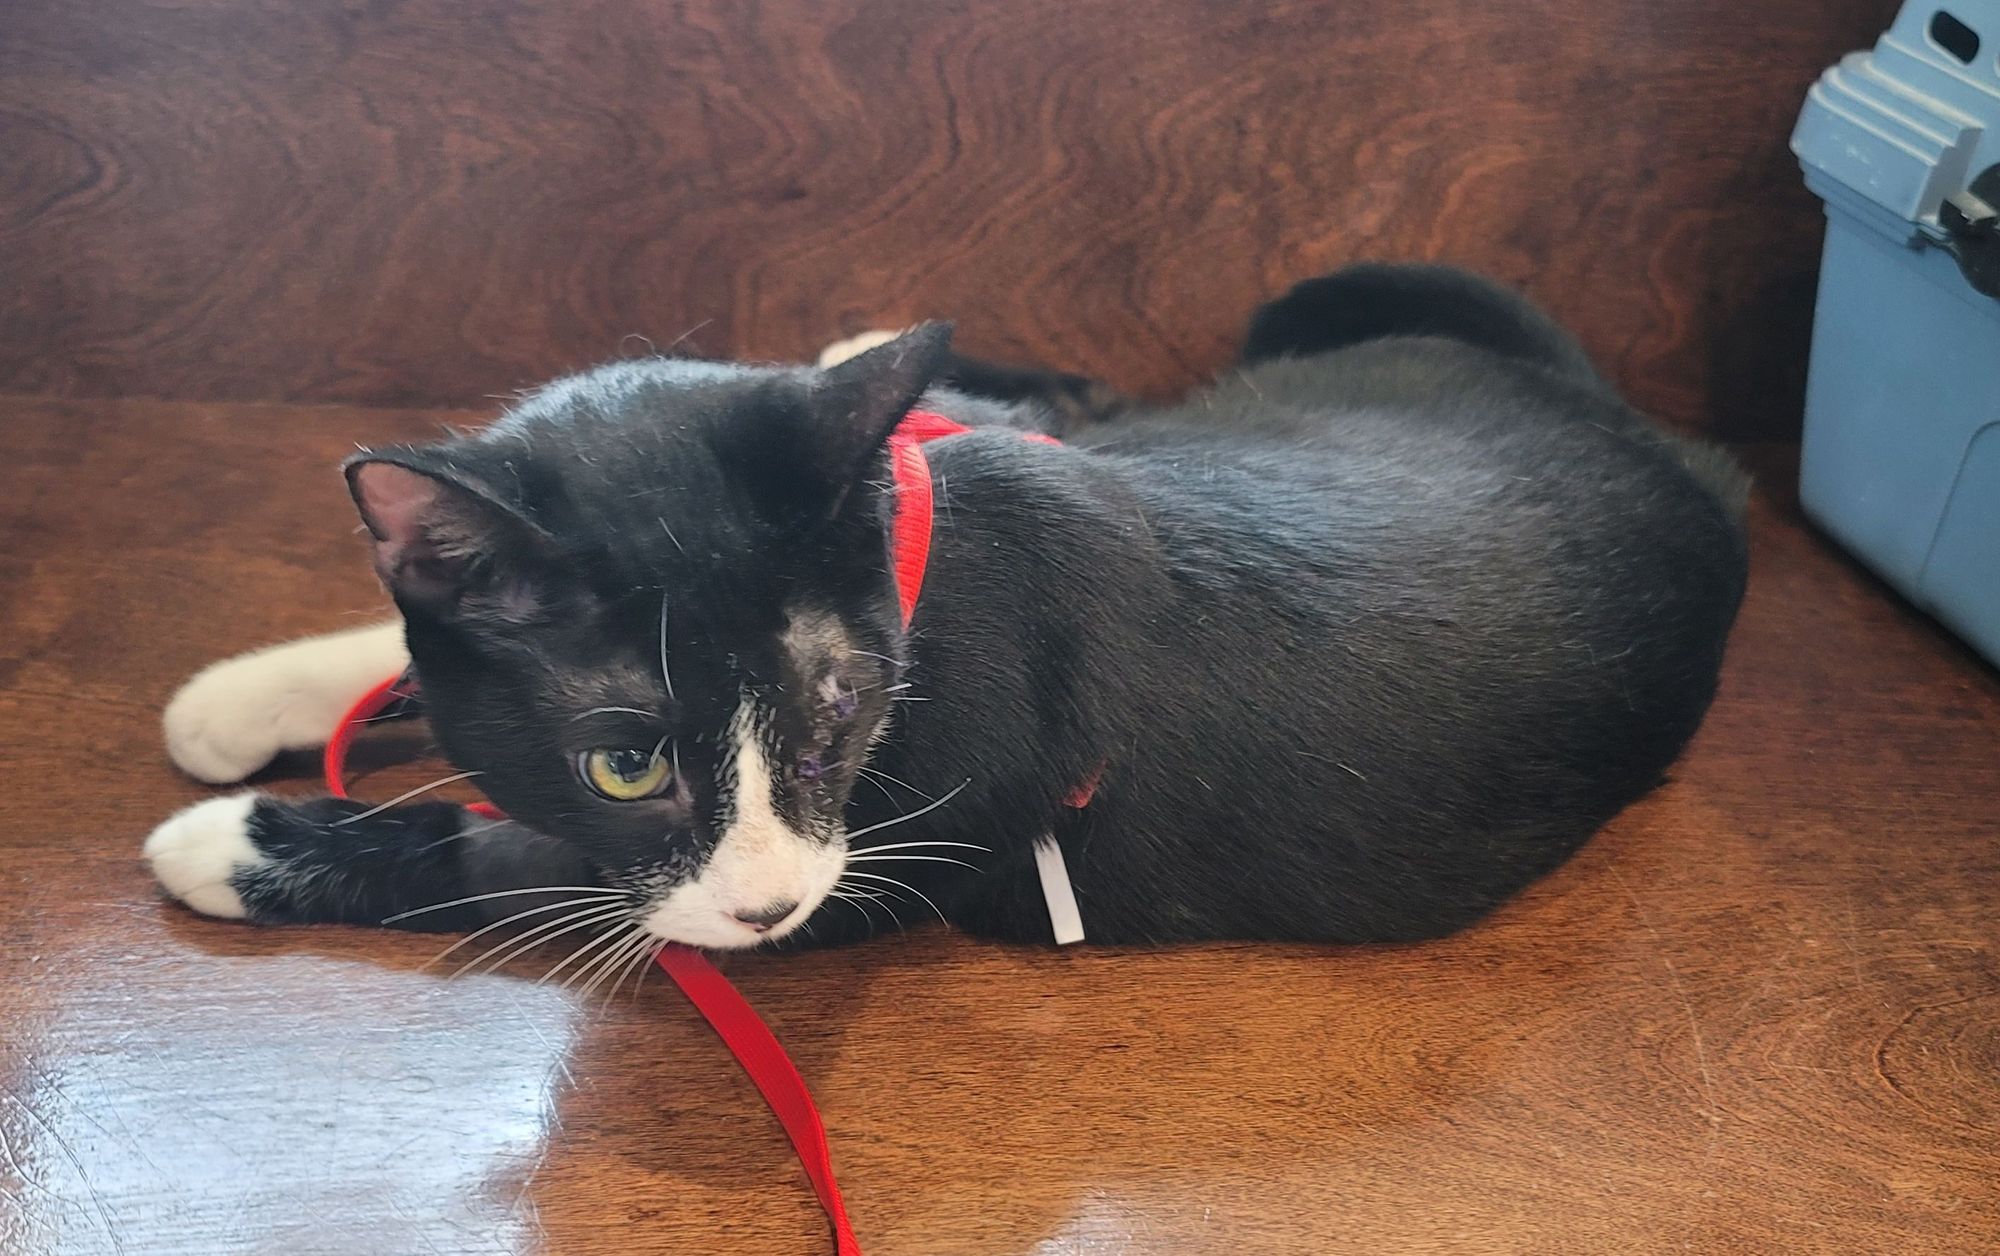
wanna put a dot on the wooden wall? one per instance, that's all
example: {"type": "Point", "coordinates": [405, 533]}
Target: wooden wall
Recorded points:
{"type": "Point", "coordinates": [432, 201]}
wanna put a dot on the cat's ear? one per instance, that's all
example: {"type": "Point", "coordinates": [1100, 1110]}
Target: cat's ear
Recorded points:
{"type": "Point", "coordinates": [858, 403]}
{"type": "Point", "coordinates": [441, 534]}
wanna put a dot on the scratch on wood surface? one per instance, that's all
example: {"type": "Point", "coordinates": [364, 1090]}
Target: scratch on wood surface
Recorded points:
{"type": "Point", "coordinates": [1687, 1004]}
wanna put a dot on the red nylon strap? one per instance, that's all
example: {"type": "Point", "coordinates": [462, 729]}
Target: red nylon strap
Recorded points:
{"type": "Point", "coordinates": [910, 535]}
{"type": "Point", "coordinates": [719, 1003]}
{"type": "Point", "coordinates": [756, 1048]}
{"type": "Point", "coordinates": [377, 700]}
{"type": "Point", "coordinates": [371, 704]}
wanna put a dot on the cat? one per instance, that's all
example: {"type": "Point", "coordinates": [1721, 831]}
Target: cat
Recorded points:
{"type": "Point", "coordinates": [1351, 645]}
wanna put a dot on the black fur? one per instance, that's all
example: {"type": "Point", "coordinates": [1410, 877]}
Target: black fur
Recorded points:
{"type": "Point", "coordinates": [1365, 637]}
{"type": "Point", "coordinates": [330, 862]}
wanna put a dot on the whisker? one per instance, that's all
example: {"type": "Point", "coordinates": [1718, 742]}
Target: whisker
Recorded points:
{"type": "Point", "coordinates": [613, 932]}
{"type": "Point", "coordinates": [883, 896]}
{"type": "Point", "coordinates": [855, 859]}
{"type": "Point", "coordinates": [870, 654]}
{"type": "Point", "coordinates": [854, 894]}
{"type": "Point", "coordinates": [618, 972]}
{"type": "Point", "coordinates": [513, 948]}
{"type": "Point", "coordinates": [607, 945]}
{"type": "Point", "coordinates": [665, 677]}
{"type": "Point", "coordinates": [853, 891]}
{"type": "Point", "coordinates": [614, 947]}
{"type": "Point", "coordinates": [848, 887]}
{"type": "Point", "coordinates": [857, 905]}
{"type": "Point", "coordinates": [610, 710]}
{"type": "Point", "coordinates": [880, 788]}
{"type": "Point", "coordinates": [461, 835]}
{"type": "Point", "coordinates": [870, 771]}
{"type": "Point", "coordinates": [869, 850]}
{"type": "Point", "coordinates": [480, 898]}
{"type": "Point", "coordinates": [617, 964]}
{"type": "Point", "coordinates": [404, 797]}
{"type": "Point", "coordinates": [646, 968]}
{"type": "Point", "coordinates": [642, 942]}
{"type": "Point", "coordinates": [640, 962]}
{"type": "Point", "coordinates": [905, 885]}
{"type": "Point", "coordinates": [611, 940]}
{"type": "Point", "coordinates": [671, 537]}
{"type": "Point", "coordinates": [576, 903]}
{"type": "Point", "coordinates": [933, 806]}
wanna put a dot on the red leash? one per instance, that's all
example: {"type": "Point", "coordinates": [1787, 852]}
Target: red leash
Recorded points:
{"type": "Point", "coordinates": [726, 1011]}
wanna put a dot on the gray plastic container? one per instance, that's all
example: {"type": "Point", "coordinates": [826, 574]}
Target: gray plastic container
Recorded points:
{"type": "Point", "coordinates": [1901, 460]}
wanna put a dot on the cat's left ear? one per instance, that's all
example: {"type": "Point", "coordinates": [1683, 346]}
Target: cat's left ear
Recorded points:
{"type": "Point", "coordinates": [857, 404]}
{"type": "Point", "coordinates": [442, 535]}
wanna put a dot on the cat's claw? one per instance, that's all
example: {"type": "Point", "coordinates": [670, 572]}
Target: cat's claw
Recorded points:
{"type": "Point", "coordinates": [196, 854]}
{"type": "Point", "coordinates": [854, 346]}
{"type": "Point", "coordinates": [237, 715]}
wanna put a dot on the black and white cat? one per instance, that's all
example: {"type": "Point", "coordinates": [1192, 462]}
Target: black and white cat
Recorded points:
{"type": "Point", "coordinates": [1356, 643]}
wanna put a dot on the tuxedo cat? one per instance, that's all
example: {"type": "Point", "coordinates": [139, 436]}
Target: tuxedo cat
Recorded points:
{"type": "Point", "coordinates": [1353, 644]}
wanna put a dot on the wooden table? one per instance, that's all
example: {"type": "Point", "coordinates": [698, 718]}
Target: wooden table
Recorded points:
{"type": "Point", "coordinates": [1760, 1013]}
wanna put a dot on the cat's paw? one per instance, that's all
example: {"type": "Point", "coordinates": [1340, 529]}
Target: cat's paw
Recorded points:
{"type": "Point", "coordinates": [198, 853]}
{"type": "Point", "coordinates": [237, 715]}
{"type": "Point", "coordinates": [854, 346]}
{"type": "Point", "coordinates": [214, 728]}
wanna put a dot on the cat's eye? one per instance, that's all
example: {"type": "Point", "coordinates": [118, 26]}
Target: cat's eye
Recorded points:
{"type": "Point", "coordinates": [625, 774]}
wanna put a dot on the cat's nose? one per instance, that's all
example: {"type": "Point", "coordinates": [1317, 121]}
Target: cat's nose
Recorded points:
{"type": "Point", "coordinates": [769, 915]}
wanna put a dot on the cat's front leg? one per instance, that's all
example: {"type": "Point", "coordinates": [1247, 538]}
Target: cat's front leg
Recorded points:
{"type": "Point", "coordinates": [236, 716]}
{"type": "Point", "coordinates": [434, 867]}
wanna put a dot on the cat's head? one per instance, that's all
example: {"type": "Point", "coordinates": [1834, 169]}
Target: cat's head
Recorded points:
{"type": "Point", "coordinates": [653, 607]}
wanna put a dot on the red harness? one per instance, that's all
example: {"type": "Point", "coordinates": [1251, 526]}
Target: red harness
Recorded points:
{"type": "Point", "coordinates": [732, 1018]}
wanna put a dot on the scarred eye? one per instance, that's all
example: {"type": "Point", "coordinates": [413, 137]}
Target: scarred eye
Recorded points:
{"type": "Point", "coordinates": [625, 774]}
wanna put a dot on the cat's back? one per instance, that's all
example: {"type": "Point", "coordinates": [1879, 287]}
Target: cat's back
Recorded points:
{"type": "Point", "coordinates": [1427, 447]}
{"type": "Point", "coordinates": [1519, 556]}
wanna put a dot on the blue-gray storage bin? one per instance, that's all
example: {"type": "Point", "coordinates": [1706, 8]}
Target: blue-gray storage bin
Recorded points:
{"type": "Point", "coordinates": [1901, 460]}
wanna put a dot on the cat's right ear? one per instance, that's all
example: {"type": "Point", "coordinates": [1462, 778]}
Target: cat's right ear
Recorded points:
{"type": "Point", "coordinates": [802, 457]}
{"type": "Point", "coordinates": [856, 404]}
{"type": "Point", "coordinates": [440, 535]}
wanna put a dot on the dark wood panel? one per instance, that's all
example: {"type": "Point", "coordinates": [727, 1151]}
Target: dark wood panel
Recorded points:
{"type": "Point", "coordinates": [1757, 1014]}
{"type": "Point", "coordinates": [436, 200]}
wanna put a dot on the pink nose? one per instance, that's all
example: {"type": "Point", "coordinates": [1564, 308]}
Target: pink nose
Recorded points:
{"type": "Point", "coordinates": [771, 914]}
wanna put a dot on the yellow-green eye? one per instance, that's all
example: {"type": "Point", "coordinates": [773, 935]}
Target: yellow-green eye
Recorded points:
{"type": "Point", "coordinates": [625, 774]}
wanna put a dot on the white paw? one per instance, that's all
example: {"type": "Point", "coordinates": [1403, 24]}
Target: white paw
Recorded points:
{"type": "Point", "coordinates": [235, 716]}
{"type": "Point", "coordinates": [194, 854]}
{"type": "Point", "coordinates": [854, 346]}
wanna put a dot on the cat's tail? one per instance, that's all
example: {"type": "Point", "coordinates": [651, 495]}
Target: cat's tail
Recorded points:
{"type": "Point", "coordinates": [1371, 300]}
{"type": "Point", "coordinates": [1374, 300]}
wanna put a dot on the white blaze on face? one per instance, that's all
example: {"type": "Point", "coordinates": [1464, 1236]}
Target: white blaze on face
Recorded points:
{"type": "Point", "coordinates": [759, 860]}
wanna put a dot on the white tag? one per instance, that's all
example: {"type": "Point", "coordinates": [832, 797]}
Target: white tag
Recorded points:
{"type": "Point", "coordinates": [1064, 914]}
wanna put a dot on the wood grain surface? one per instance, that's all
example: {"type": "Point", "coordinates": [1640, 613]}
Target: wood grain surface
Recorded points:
{"type": "Point", "coordinates": [1761, 1013]}
{"type": "Point", "coordinates": [431, 201]}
